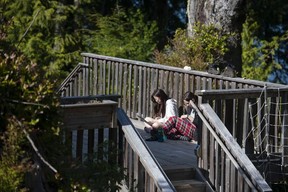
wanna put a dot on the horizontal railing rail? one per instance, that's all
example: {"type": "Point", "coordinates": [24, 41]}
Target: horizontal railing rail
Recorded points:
{"type": "Point", "coordinates": [142, 169]}
{"type": "Point", "coordinates": [85, 99]}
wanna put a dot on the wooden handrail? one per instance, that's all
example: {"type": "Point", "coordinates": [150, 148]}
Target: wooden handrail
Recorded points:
{"type": "Point", "coordinates": [240, 93]}
{"type": "Point", "coordinates": [144, 156]}
{"type": "Point", "coordinates": [255, 118]}
{"type": "Point", "coordinates": [177, 69]}
{"type": "Point", "coordinates": [71, 75]}
{"type": "Point", "coordinates": [240, 160]}
{"type": "Point", "coordinates": [74, 99]}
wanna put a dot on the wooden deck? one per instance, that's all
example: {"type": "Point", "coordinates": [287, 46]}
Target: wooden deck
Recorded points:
{"type": "Point", "coordinates": [170, 153]}
{"type": "Point", "coordinates": [225, 136]}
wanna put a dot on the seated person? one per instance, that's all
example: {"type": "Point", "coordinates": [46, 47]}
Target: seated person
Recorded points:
{"type": "Point", "coordinates": [164, 107]}
{"type": "Point", "coordinates": [183, 127]}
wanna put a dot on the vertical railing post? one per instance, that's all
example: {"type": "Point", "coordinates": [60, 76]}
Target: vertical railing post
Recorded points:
{"type": "Point", "coordinates": [284, 140]}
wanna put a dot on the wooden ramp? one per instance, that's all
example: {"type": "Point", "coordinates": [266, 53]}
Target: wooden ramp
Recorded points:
{"type": "Point", "coordinates": [177, 158]}
{"type": "Point", "coordinates": [170, 153]}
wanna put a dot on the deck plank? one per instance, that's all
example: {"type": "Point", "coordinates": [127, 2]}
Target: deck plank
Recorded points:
{"type": "Point", "coordinates": [170, 153]}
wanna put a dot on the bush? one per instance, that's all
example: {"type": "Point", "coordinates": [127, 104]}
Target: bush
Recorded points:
{"type": "Point", "coordinates": [207, 45]}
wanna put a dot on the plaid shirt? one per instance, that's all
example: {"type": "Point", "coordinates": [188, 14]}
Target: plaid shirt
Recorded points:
{"type": "Point", "coordinates": [175, 126]}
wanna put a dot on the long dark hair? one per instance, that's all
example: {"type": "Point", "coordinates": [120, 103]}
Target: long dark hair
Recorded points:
{"type": "Point", "coordinates": [159, 109]}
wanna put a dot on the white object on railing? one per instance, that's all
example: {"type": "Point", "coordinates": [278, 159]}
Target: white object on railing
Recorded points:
{"type": "Point", "coordinates": [188, 68]}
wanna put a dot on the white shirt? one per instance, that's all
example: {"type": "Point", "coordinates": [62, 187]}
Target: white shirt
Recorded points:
{"type": "Point", "coordinates": [193, 112]}
{"type": "Point", "coordinates": [170, 110]}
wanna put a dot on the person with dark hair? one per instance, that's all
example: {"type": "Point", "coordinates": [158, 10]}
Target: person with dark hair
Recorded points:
{"type": "Point", "coordinates": [184, 127]}
{"type": "Point", "coordinates": [163, 108]}
{"type": "Point", "coordinates": [189, 112]}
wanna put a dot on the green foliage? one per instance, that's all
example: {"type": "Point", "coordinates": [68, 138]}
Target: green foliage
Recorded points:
{"type": "Point", "coordinates": [259, 57]}
{"type": "Point", "coordinates": [43, 32]}
{"type": "Point", "coordinates": [37, 43]}
{"type": "Point", "coordinates": [54, 33]}
{"type": "Point", "coordinates": [265, 41]}
{"type": "Point", "coordinates": [249, 53]}
{"type": "Point", "coordinates": [123, 34]}
{"type": "Point", "coordinates": [10, 178]}
{"type": "Point", "coordinates": [169, 15]}
{"type": "Point", "coordinates": [99, 172]}
{"type": "Point", "coordinates": [207, 45]}
{"type": "Point", "coordinates": [11, 170]}
{"type": "Point", "coordinates": [28, 101]}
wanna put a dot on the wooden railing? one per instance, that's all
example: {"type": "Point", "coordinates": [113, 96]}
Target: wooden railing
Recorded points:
{"type": "Point", "coordinates": [262, 136]}
{"type": "Point", "coordinates": [236, 107]}
{"type": "Point", "coordinates": [135, 81]}
{"type": "Point", "coordinates": [71, 85]}
{"type": "Point", "coordinates": [87, 122]}
{"type": "Point", "coordinates": [142, 170]}
{"type": "Point", "coordinates": [227, 166]}
{"type": "Point", "coordinates": [91, 120]}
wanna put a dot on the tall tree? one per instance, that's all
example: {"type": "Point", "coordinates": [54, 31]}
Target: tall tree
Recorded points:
{"type": "Point", "coordinates": [265, 41]}
{"type": "Point", "coordinates": [28, 107]}
{"type": "Point", "coordinates": [262, 47]}
{"type": "Point", "coordinates": [123, 34]}
{"type": "Point", "coordinates": [228, 15]}
{"type": "Point", "coordinates": [54, 33]}
{"type": "Point", "coordinates": [169, 15]}
{"type": "Point", "coordinates": [45, 31]}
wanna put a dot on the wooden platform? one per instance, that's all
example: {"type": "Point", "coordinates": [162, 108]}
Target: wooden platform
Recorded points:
{"type": "Point", "coordinates": [170, 154]}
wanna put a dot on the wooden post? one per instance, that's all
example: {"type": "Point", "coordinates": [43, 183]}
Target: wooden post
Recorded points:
{"type": "Point", "coordinates": [284, 140]}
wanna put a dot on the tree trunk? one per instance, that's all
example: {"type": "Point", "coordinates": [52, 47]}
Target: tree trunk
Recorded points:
{"type": "Point", "coordinates": [227, 14]}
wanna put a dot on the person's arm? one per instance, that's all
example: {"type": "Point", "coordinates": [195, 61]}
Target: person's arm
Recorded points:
{"type": "Point", "coordinates": [190, 116]}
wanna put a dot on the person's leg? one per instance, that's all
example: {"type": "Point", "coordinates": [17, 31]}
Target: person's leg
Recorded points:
{"type": "Point", "coordinates": [150, 120]}
{"type": "Point", "coordinates": [169, 124]}
{"type": "Point", "coordinates": [152, 129]}
{"type": "Point", "coordinates": [186, 128]}
{"type": "Point", "coordinates": [148, 126]}
{"type": "Point", "coordinates": [157, 125]}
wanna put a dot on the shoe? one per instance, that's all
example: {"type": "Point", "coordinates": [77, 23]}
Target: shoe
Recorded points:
{"type": "Point", "coordinates": [152, 139]}
{"type": "Point", "coordinates": [184, 138]}
{"type": "Point", "coordinates": [197, 151]}
{"type": "Point", "coordinates": [147, 129]}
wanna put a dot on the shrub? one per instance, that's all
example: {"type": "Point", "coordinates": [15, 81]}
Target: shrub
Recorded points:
{"type": "Point", "coordinates": [207, 45]}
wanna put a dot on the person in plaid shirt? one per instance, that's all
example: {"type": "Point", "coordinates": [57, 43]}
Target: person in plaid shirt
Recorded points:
{"type": "Point", "coordinates": [183, 127]}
